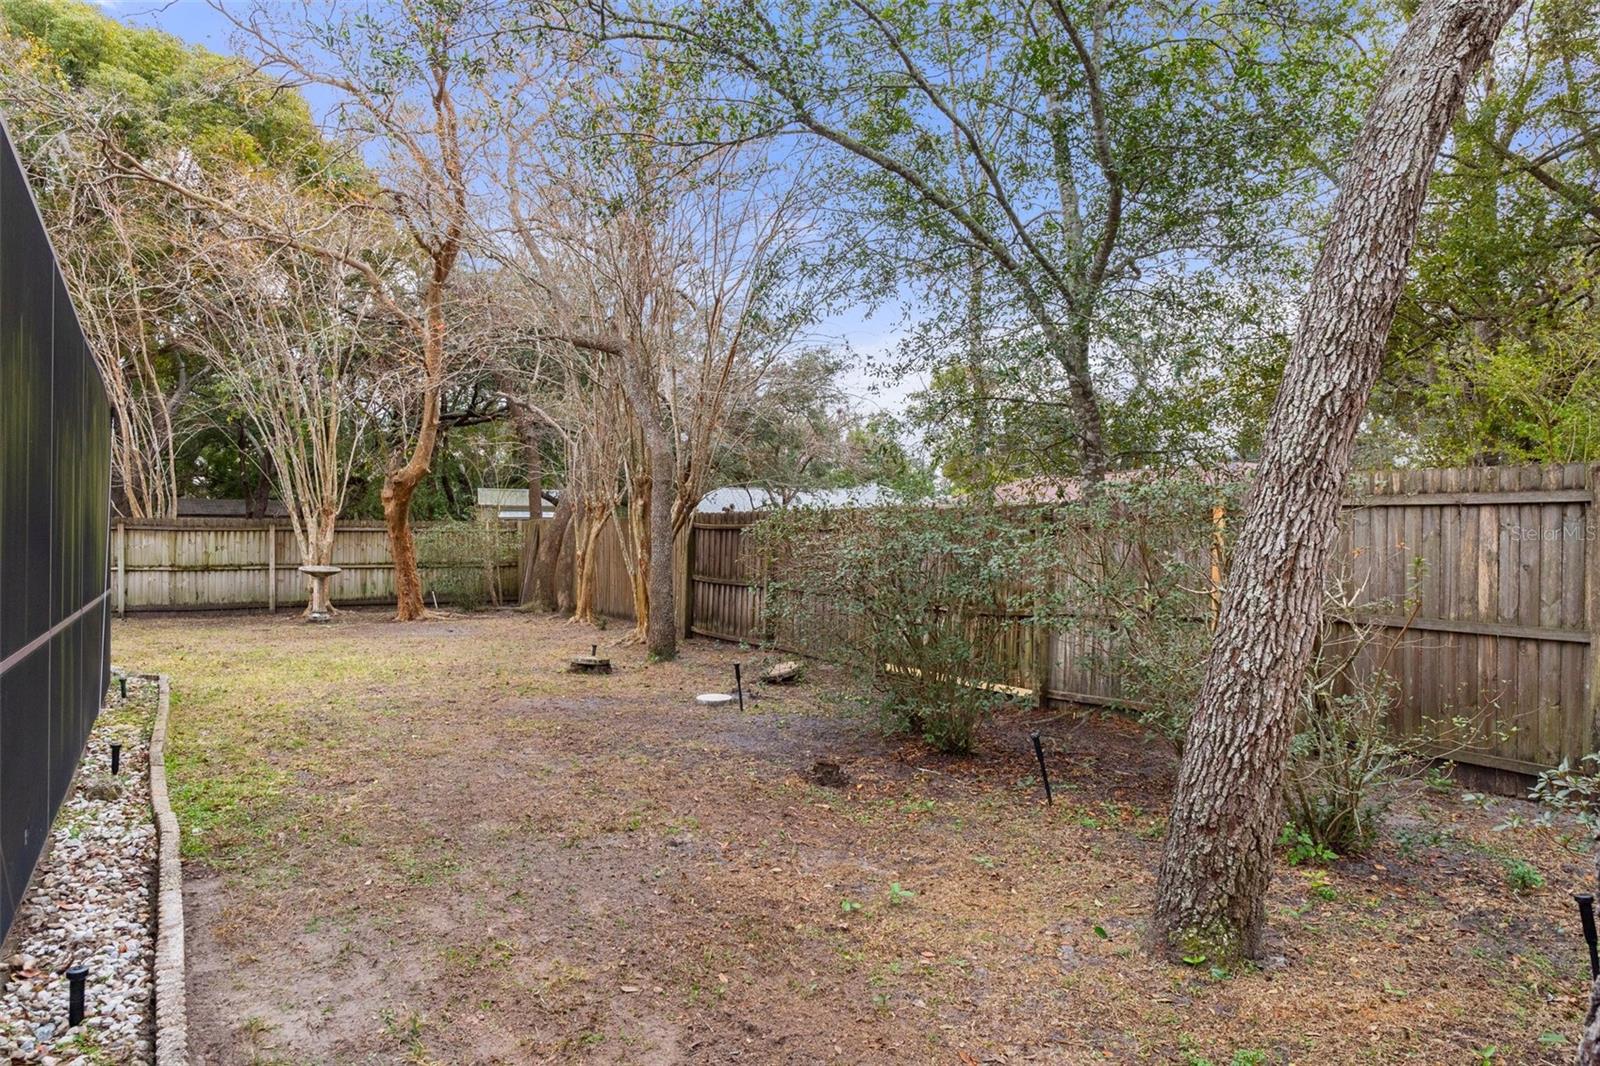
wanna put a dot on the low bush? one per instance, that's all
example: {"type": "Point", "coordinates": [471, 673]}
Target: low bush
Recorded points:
{"type": "Point", "coordinates": [1341, 756]}
{"type": "Point", "coordinates": [1572, 789]}
{"type": "Point", "coordinates": [1345, 763]}
{"type": "Point", "coordinates": [1133, 576]}
{"type": "Point", "coordinates": [921, 600]}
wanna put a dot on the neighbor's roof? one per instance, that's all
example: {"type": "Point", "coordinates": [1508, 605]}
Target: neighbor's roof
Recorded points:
{"type": "Point", "coordinates": [1051, 489]}
{"type": "Point", "coordinates": [207, 507]}
{"type": "Point", "coordinates": [491, 497]}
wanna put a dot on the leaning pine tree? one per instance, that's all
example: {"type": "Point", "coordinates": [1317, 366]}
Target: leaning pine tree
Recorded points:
{"type": "Point", "coordinates": [1226, 811]}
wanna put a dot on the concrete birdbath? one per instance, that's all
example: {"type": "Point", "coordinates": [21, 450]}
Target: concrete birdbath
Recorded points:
{"type": "Point", "coordinates": [319, 610]}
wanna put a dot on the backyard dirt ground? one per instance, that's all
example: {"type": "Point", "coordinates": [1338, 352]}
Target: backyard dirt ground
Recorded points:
{"type": "Point", "coordinates": [425, 842]}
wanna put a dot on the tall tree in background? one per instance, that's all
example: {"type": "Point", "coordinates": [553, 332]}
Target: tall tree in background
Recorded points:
{"type": "Point", "coordinates": [670, 263]}
{"type": "Point", "coordinates": [1493, 357]}
{"type": "Point", "coordinates": [83, 92]}
{"type": "Point", "coordinates": [412, 82]}
{"type": "Point", "coordinates": [1211, 897]}
{"type": "Point", "coordinates": [289, 336]}
{"type": "Point", "coordinates": [1088, 167]}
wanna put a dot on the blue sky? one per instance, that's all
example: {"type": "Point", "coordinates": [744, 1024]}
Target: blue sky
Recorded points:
{"type": "Point", "coordinates": [198, 22]}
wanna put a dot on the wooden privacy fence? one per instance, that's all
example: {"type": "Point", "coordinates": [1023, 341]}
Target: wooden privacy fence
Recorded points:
{"type": "Point", "coordinates": [1493, 576]}
{"type": "Point", "coordinates": [1483, 584]}
{"type": "Point", "coordinates": [201, 563]}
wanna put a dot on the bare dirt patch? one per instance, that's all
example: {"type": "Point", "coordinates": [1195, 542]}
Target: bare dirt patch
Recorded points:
{"type": "Point", "coordinates": [425, 842]}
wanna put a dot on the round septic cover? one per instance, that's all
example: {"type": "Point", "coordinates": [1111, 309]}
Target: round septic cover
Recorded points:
{"type": "Point", "coordinates": [713, 697]}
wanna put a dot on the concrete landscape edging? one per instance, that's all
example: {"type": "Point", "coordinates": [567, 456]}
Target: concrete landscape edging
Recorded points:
{"type": "Point", "coordinates": [172, 1032]}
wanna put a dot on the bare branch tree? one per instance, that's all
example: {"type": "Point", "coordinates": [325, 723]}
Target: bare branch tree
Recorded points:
{"type": "Point", "coordinates": [289, 334]}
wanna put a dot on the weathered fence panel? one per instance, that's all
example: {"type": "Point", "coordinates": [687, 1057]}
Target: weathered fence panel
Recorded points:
{"type": "Point", "coordinates": [1483, 583]}
{"type": "Point", "coordinates": [725, 593]}
{"type": "Point", "coordinates": [207, 563]}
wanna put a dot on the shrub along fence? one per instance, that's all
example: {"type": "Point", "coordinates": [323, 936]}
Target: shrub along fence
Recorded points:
{"type": "Point", "coordinates": [1483, 582]}
{"type": "Point", "coordinates": [210, 563]}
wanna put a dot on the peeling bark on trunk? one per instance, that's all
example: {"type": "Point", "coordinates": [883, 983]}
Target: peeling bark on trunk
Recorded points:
{"type": "Point", "coordinates": [400, 485]}
{"type": "Point", "coordinates": [1226, 811]}
{"type": "Point", "coordinates": [587, 531]}
{"type": "Point", "coordinates": [661, 628]}
{"type": "Point", "coordinates": [639, 573]}
{"type": "Point", "coordinates": [545, 594]}
{"type": "Point", "coordinates": [396, 498]}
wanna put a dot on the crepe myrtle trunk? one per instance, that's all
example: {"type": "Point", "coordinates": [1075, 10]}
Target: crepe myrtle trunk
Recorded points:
{"type": "Point", "coordinates": [546, 596]}
{"type": "Point", "coordinates": [661, 627]}
{"type": "Point", "coordinates": [396, 498]}
{"type": "Point", "coordinates": [1226, 811]}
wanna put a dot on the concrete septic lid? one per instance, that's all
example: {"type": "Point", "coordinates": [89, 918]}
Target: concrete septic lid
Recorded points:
{"type": "Point", "coordinates": [713, 697]}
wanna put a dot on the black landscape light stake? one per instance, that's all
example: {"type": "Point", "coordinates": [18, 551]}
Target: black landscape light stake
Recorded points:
{"type": "Point", "coordinates": [594, 651]}
{"type": "Point", "coordinates": [1586, 911]}
{"type": "Point", "coordinates": [122, 683]}
{"type": "Point", "coordinates": [1044, 774]}
{"type": "Point", "coordinates": [738, 686]}
{"type": "Point", "coordinates": [116, 759]}
{"type": "Point", "coordinates": [76, 976]}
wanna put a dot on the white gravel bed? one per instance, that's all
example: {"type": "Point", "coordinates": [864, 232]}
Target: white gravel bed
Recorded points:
{"type": "Point", "coordinates": [90, 904]}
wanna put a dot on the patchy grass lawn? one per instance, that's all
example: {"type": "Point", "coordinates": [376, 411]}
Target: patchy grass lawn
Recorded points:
{"type": "Point", "coordinates": [426, 843]}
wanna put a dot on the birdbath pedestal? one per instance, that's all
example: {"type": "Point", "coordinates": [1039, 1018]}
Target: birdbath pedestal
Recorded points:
{"type": "Point", "coordinates": [319, 575]}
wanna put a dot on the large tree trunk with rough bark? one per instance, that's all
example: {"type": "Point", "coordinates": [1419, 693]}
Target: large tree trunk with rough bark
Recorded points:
{"type": "Point", "coordinates": [1226, 811]}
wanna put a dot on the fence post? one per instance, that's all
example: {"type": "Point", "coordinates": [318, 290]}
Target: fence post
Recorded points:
{"type": "Point", "coordinates": [122, 568]}
{"type": "Point", "coordinates": [1591, 566]}
{"type": "Point", "coordinates": [272, 568]}
{"type": "Point", "coordinates": [685, 579]}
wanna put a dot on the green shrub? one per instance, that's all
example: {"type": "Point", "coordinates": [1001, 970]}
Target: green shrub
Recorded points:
{"type": "Point", "coordinates": [1301, 849]}
{"type": "Point", "coordinates": [1573, 789]}
{"type": "Point", "coordinates": [922, 601]}
{"type": "Point", "coordinates": [1345, 762]}
{"type": "Point", "coordinates": [1523, 876]}
{"type": "Point", "coordinates": [1134, 572]}
{"type": "Point", "coordinates": [938, 604]}
{"type": "Point", "coordinates": [1340, 758]}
